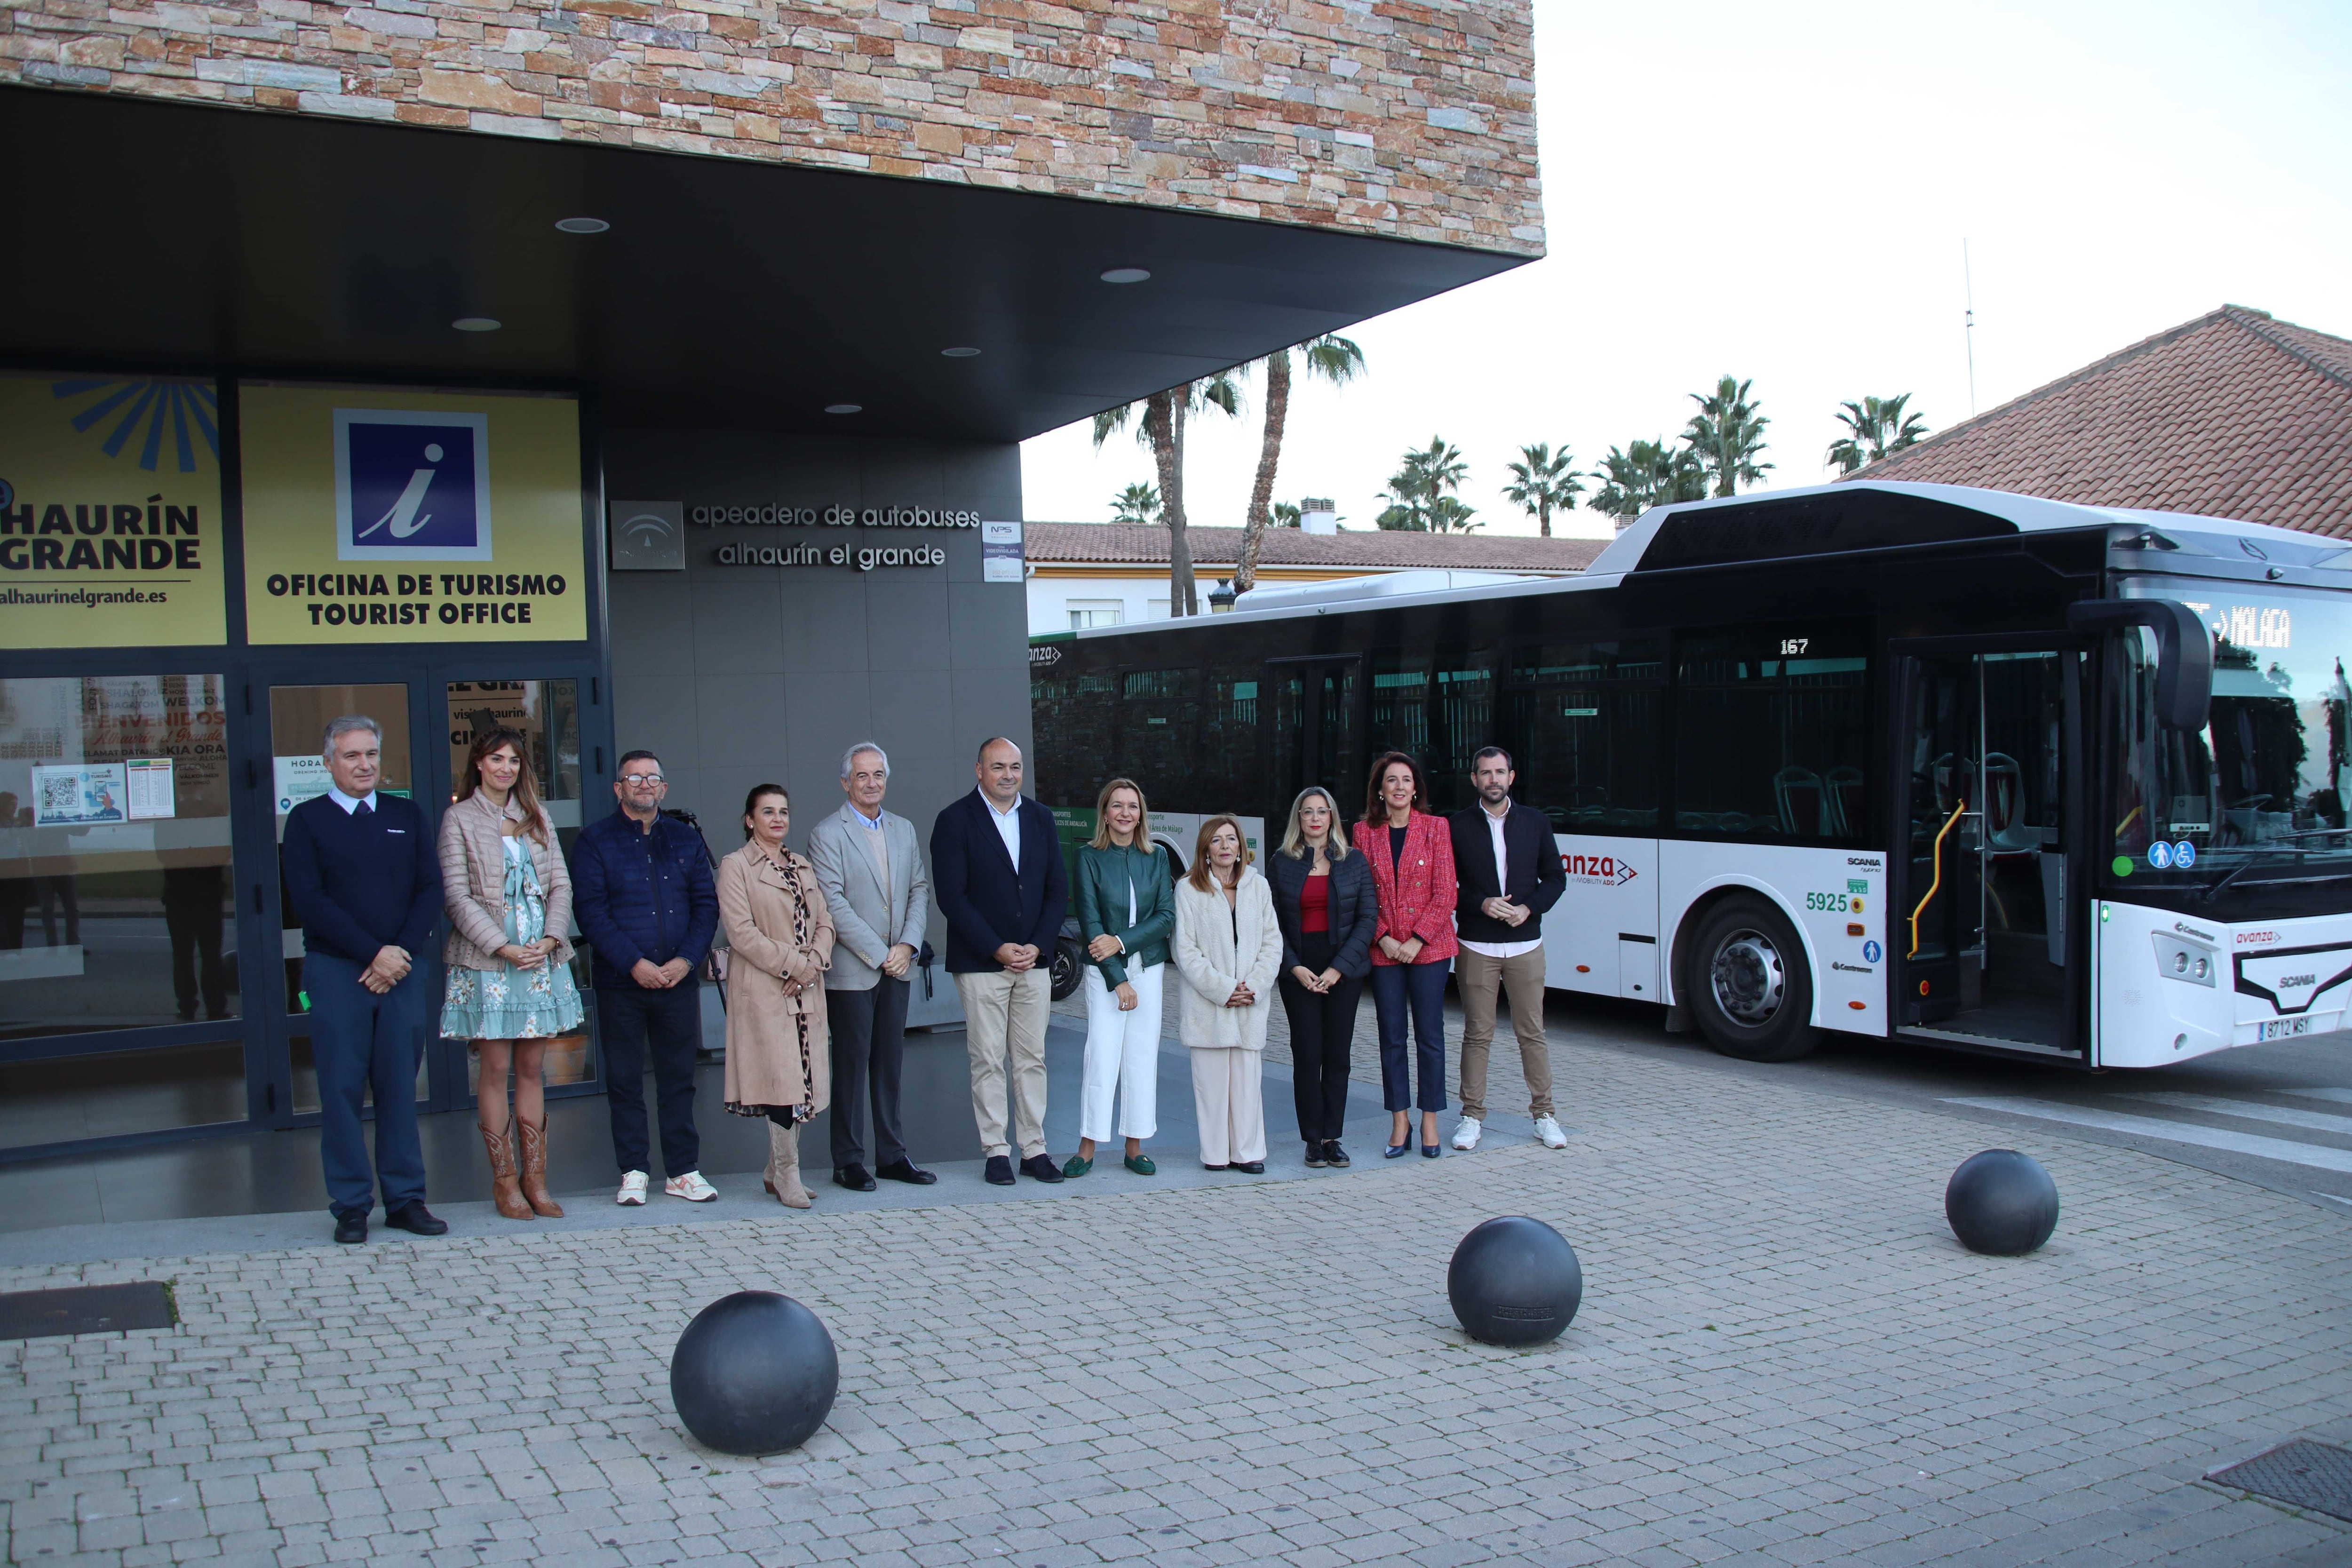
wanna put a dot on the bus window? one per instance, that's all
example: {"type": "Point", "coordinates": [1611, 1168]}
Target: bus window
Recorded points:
{"type": "Point", "coordinates": [1462, 719]}
{"type": "Point", "coordinates": [1400, 706]}
{"type": "Point", "coordinates": [1224, 767]}
{"type": "Point", "coordinates": [1772, 736]}
{"type": "Point", "coordinates": [1159, 718]}
{"type": "Point", "coordinates": [1584, 718]}
{"type": "Point", "coordinates": [1075, 719]}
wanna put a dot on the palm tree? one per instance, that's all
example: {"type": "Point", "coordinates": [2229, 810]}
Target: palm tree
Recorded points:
{"type": "Point", "coordinates": [1644, 474]}
{"type": "Point", "coordinates": [1727, 433]}
{"type": "Point", "coordinates": [1163, 430]}
{"type": "Point", "coordinates": [1451, 514]}
{"type": "Point", "coordinates": [1284, 514]}
{"type": "Point", "coordinates": [1414, 490]}
{"type": "Point", "coordinates": [1137, 503]}
{"type": "Point", "coordinates": [1873, 428]}
{"type": "Point", "coordinates": [1543, 484]}
{"type": "Point", "coordinates": [1336, 360]}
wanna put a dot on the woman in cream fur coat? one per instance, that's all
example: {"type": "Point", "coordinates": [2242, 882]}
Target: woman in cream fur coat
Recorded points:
{"type": "Point", "coordinates": [1227, 952]}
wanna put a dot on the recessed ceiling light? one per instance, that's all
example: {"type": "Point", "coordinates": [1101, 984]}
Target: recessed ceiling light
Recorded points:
{"type": "Point", "coordinates": [477, 324]}
{"type": "Point", "coordinates": [959, 354]}
{"type": "Point", "coordinates": [582, 224]}
{"type": "Point", "coordinates": [844, 408]}
{"type": "Point", "coordinates": [1127, 275]}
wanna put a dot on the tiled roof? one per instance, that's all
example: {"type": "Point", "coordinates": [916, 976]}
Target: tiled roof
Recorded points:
{"type": "Point", "coordinates": [1146, 544]}
{"type": "Point", "coordinates": [2233, 414]}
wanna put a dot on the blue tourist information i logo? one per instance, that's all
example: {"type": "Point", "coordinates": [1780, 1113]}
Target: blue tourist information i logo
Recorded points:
{"type": "Point", "coordinates": [412, 486]}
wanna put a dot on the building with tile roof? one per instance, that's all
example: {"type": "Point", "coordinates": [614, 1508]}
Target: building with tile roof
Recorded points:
{"type": "Point", "coordinates": [2233, 414]}
{"type": "Point", "coordinates": [1115, 574]}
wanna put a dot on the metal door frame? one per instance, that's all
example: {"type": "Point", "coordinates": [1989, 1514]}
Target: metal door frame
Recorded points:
{"type": "Point", "coordinates": [1276, 814]}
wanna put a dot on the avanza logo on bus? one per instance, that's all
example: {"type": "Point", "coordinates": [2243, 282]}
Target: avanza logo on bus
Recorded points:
{"type": "Point", "coordinates": [1606, 870]}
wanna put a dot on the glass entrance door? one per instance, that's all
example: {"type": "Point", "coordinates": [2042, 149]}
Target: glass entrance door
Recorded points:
{"type": "Point", "coordinates": [547, 714]}
{"type": "Point", "coordinates": [298, 717]}
{"type": "Point", "coordinates": [1981, 925]}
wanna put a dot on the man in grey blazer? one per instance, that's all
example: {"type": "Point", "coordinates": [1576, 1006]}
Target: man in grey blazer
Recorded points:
{"type": "Point", "coordinates": [871, 869]}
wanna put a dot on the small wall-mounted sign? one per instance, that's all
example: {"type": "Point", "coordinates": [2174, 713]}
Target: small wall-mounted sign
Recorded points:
{"type": "Point", "coordinates": [1000, 552]}
{"type": "Point", "coordinates": [648, 535]}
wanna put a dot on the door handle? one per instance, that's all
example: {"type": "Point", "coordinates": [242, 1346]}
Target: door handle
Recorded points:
{"type": "Point", "coordinates": [1959, 811]}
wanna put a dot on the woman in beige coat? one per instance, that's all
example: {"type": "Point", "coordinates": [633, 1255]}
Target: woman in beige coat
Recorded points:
{"type": "Point", "coordinates": [780, 941]}
{"type": "Point", "coordinates": [1227, 953]}
{"type": "Point", "coordinates": [507, 981]}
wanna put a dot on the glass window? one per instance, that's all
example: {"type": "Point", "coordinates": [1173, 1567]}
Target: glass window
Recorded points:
{"type": "Point", "coordinates": [116, 902]}
{"type": "Point", "coordinates": [1074, 716]}
{"type": "Point", "coordinates": [1584, 718]}
{"type": "Point", "coordinates": [1159, 720]}
{"type": "Point", "coordinates": [107, 1094]}
{"type": "Point", "coordinates": [1772, 735]}
{"type": "Point", "coordinates": [1089, 612]}
{"type": "Point", "coordinates": [1400, 706]}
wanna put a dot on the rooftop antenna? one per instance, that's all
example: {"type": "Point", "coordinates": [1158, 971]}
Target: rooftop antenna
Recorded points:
{"type": "Point", "coordinates": [1968, 289]}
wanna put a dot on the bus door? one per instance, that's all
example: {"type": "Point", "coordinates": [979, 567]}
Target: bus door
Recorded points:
{"type": "Point", "coordinates": [1314, 734]}
{"type": "Point", "coordinates": [1989, 844]}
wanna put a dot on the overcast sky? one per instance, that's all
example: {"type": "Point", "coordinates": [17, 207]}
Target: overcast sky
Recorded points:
{"type": "Point", "coordinates": [1780, 191]}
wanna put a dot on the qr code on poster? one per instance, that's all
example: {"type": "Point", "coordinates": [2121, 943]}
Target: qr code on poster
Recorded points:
{"type": "Point", "coordinates": [57, 795]}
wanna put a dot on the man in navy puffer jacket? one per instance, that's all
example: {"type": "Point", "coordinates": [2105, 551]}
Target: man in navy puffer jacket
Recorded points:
{"type": "Point", "coordinates": [642, 894]}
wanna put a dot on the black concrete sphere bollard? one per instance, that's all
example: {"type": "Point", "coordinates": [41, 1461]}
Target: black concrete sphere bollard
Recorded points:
{"type": "Point", "coordinates": [753, 1374]}
{"type": "Point", "coordinates": [2002, 1203]}
{"type": "Point", "coordinates": [1514, 1281]}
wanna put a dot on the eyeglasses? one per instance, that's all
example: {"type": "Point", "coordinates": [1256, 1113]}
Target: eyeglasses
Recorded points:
{"type": "Point", "coordinates": [647, 779]}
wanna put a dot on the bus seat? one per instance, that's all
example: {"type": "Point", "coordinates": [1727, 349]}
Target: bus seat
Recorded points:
{"type": "Point", "coordinates": [1845, 802]}
{"type": "Point", "coordinates": [1787, 785]}
{"type": "Point", "coordinates": [2006, 830]}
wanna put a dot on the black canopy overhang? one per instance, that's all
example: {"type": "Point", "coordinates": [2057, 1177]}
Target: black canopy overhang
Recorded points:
{"type": "Point", "coordinates": [727, 294]}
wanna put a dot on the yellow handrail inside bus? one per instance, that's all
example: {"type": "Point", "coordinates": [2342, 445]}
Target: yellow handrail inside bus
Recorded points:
{"type": "Point", "coordinates": [1922, 908]}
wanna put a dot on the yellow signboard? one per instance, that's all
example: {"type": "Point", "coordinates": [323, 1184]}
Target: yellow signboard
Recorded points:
{"type": "Point", "coordinates": [110, 512]}
{"type": "Point", "coordinates": [376, 515]}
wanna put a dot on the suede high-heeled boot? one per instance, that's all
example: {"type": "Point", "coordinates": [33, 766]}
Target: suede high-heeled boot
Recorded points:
{"type": "Point", "coordinates": [506, 1186]}
{"type": "Point", "coordinates": [534, 1170]}
{"type": "Point", "coordinates": [784, 1166]}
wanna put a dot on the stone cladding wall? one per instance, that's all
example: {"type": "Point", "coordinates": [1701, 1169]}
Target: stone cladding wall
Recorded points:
{"type": "Point", "coordinates": [1407, 118]}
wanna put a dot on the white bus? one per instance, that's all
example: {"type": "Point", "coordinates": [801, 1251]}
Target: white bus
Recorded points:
{"type": "Point", "coordinates": [1913, 762]}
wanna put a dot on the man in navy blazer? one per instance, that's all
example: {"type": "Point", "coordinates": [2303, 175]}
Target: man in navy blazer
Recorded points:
{"type": "Point", "coordinates": [996, 873]}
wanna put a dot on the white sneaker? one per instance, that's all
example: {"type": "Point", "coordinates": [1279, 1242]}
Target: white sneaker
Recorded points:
{"type": "Point", "coordinates": [632, 1188]}
{"type": "Point", "coordinates": [1465, 1134]}
{"type": "Point", "coordinates": [1548, 1133]}
{"type": "Point", "coordinates": [692, 1187]}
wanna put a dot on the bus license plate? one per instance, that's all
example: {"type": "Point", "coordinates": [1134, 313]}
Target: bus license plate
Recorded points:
{"type": "Point", "coordinates": [2280, 1028]}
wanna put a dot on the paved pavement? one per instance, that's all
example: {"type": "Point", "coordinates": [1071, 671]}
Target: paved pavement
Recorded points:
{"type": "Point", "coordinates": [1782, 1357]}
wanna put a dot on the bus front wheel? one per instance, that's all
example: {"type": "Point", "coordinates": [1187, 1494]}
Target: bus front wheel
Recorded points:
{"type": "Point", "coordinates": [1748, 986]}
{"type": "Point", "coordinates": [1070, 961]}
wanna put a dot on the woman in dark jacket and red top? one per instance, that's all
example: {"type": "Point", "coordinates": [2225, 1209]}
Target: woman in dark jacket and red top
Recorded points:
{"type": "Point", "coordinates": [1324, 901]}
{"type": "Point", "coordinates": [1411, 858]}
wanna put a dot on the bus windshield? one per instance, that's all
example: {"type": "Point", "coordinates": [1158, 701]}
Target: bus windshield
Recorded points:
{"type": "Point", "coordinates": [2258, 795]}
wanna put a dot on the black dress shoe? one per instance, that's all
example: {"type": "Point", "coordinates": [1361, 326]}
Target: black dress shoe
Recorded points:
{"type": "Point", "coordinates": [1333, 1155]}
{"type": "Point", "coordinates": [855, 1178]}
{"type": "Point", "coordinates": [352, 1227]}
{"type": "Point", "coordinates": [1041, 1168]}
{"type": "Point", "coordinates": [1248, 1167]}
{"type": "Point", "coordinates": [1315, 1161]}
{"type": "Point", "coordinates": [414, 1218]}
{"type": "Point", "coordinates": [1000, 1170]}
{"type": "Point", "coordinates": [907, 1171]}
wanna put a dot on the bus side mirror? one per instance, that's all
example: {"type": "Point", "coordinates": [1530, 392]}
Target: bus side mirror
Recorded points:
{"type": "Point", "coordinates": [2184, 652]}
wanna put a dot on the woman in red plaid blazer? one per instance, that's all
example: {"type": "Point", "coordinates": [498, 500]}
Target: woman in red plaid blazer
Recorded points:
{"type": "Point", "coordinates": [1412, 856]}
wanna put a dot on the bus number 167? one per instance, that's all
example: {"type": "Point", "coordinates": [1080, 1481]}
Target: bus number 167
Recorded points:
{"type": "Point", "coordinates": [1794, 644]}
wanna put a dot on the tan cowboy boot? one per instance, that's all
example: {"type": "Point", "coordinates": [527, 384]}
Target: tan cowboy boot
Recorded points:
{"type": "Point", "coordinates": [784, 1166]}
{"type": "Point", "coordinates": [534, 1170]}
{"type": "Point", "coordinates": [505, 1189]}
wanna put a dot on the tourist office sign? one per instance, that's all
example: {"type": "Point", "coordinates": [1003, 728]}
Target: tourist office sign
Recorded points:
{"type": "Point", "coordinates": [110, 512]}
{"type": "Point", "coordinates": [379, 515]}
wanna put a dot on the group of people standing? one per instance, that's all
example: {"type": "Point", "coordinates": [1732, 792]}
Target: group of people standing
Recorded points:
{"type": "Point", "coordinates": [1395, 903]}
{"type": "Point", "coordinates": [819, 948]}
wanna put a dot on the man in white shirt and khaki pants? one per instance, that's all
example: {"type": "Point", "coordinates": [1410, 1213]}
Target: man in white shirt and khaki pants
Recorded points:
{"type": "Point", "coordinates": [1509, 872]}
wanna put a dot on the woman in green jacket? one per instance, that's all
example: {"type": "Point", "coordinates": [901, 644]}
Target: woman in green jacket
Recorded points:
{"type": "Point", "coordinates": [1126, 912]}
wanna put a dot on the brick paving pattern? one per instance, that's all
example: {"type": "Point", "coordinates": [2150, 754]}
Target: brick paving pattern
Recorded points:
{"type": "Point", "coordinates": [1782, 1357]}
